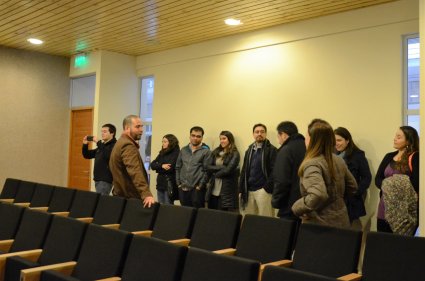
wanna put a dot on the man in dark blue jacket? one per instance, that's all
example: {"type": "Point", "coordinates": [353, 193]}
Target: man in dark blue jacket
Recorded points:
{"type": "Point", "coordinates": [285, 174]}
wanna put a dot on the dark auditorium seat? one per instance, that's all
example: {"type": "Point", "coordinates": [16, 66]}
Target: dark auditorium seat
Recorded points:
{"type": "Point", "coordinates": [62, 244]}
{"type": "Point", "coordinates": [207, 266]}
{"type": "Point", "coordinates": [10, 218]}
{"type": "Point", "coordinates": [264, 239]}
{"type": "Point", "coordinates": [25, 192]}
{"type": "Point", "coordinates": [10, 188]}
{"type": "Point", "coordinates": [172, 222]}
{"type": "Point", "coordinates": [136, 217]}
{"type": "Point", "coordinates": [274, 273]}
{"type": "Point", "coordinates": [109, 210]}
{"type": "Point", "coordinates": [41, 196]}
{"type": "Point", "coordinates": [102, 255]}
{"type": "Point", "coordinates": [83, 205]}
{"type": "Point", "coordinates": [214, 230]}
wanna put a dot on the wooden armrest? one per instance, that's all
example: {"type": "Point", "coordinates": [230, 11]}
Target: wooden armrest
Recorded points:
{"type": "Point", "coordinates": [7, 200]}
{"type": "Point", "coordinates": [351, 277]}
{"type": "Point", "coordinates": [182, 242]}
{"type": "Point", "coordinates": [147, 233]}
{"type": "Point", "coordinates": [86, 220]}
{"type": "Point", "coordinates": [227, 252]}
{"type": "Point", "coordinates": [110, 279]}
{"type": "Point", "coordinates": [33, 274]}
{"type": "Point", "coordinates": [31, 255]}
{"type": "Point", "coordinates": [63, 214]}
{"type": "Point", "coordinates": [284, 263]}
{"type": "Point", "coordinates": [5, 245]}
{"type": "Point", "coordinates": [44, 209]}
{"type": "Point", "coordinates": [23, 204]}
{"type": "Point", "coordinates": [114, 225]}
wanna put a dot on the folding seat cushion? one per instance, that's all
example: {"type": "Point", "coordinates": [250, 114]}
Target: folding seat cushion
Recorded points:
{"type": "Point", "coordinates": [102, 255]}
{"type": "Point", "coordinates": [274, 273]}
{"type": "Point", "coordinates": [25, 192]}
{"type": "Point", "coordinates": [174, 222]}
{"type": "Point", "coordinates": [10, 218]}
{"type": "Point", "coordinates": [332, 252]}
{"type": "Point", "coordinates": [136, 217]}
{"type": "Point", "coordinates": [109, 210]}
{"type": "Point", "coordinates": [84, 204]}
{"type": "Point", "coordinates": [10, 188]}
{"type": "Point", "coordinates": [42, 195]}
{"type": "Point", "coordinates": [392, 257]}
{"type": "Point", "coordinates": [61, 199]}
{"type": "Point", "coordinates": [265, 239]}
{"type": "Point", "coordinates": [32, 231]}
{"type": "Point", "coordinates": [62, 244]}
{"type": "Point", "coordinates": [151, 259]}
{"type": "Point", "coordinates": [208, 266]}
{"type": "Point", "coordinates": [214, 230]}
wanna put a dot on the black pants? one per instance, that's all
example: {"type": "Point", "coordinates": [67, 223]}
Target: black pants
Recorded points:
{"type": "Point", "coordinates": [192, 198]}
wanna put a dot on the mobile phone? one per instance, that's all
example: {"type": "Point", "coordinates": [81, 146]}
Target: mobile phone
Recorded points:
{"type": "Point", "coordinates": [89, 138]}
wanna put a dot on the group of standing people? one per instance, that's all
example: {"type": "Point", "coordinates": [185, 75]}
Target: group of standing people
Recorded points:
{"type": "Point", "coordinates": [320, 178]}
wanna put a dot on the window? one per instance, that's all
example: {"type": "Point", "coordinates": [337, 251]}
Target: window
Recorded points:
{"type": "Point", "coordinates": [411, 80]}
{"type": "Point", "coordinates": [146, 100]}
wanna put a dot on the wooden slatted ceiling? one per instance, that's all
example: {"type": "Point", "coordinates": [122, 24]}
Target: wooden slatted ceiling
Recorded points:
{"type": "Point", "coordinates": [140, 27]}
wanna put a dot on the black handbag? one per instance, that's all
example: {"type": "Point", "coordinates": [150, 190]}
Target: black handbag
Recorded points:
{"type": "Point", "coordinates": [171, 188]}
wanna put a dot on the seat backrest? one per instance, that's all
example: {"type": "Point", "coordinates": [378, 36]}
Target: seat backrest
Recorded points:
{"type": "Point", "coordinates": [10, 188]}
{"type": "Point", "coordinates": [275, 273]}
{"type": "Point", "coordinates": [151, 259]}
{"type": "Point", "coordinates": [61, 199]}
{"type": "Point", "coordinates": [265, 239]}
{"type": "Point", "coordinates": [32, 231]}
{"type": "Point", "coordinates": [63, 240]}
{"type": "Point", "coordinates": [84, 204]}
{"type": "Point", "coordinates": [392, 257]}
{"type": "Point", "coordinates": [42, 195]}
{"type": "Point", "coordinates": [136, 217]}
{"type": "Point", "coordinates": [215, 230]}
{"type": "Point", "coordinates": [109, 209]}
{"type": "Point", "coordinates": [25, 192]}
{"type": "Point", "coordinates": [102, 253]}
{"type": "Point", "coordinates": [325, 250]}
{"type": "Point", "coordinates": [174, 222]}
{"type": "Point", "coordinates": [10, 218]}
{"type": "Point", "coordinates": [208, 266]}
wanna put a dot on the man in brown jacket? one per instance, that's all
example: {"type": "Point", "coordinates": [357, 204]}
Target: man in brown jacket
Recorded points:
{"type": "Point", "coordinates": [126, 164]}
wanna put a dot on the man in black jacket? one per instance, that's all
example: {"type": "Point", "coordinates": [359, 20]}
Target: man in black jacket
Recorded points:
{"type": "Point", "coordinates": [285, 174]}
{"type": "Point", "coordinates": [256, 182]}
{"type": "Point", "coordinates": [101, 154]}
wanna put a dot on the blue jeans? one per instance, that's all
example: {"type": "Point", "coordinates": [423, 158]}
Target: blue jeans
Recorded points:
{"type": "Point", "coordinates": [163, 197]}
{"type": "Point", "coordinates": [103, 187]}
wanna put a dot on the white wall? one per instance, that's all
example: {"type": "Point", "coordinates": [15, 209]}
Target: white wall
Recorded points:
{"type": "Point", "coordinates": [345, 68]}
{"type": "Point", "coordinates": [34, 114]}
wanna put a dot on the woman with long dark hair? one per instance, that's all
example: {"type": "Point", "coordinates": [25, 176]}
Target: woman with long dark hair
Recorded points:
{"type": "Point", "coordinates": [224, 172]}
{"type": "Point", "coordinates": [356, 162]}
{"type": "Point", "coordinates": [404, 161]}
{"type": "Point", "coordinates": [164, 165]}
{"type": "Point", "coordinates": [324, 179]}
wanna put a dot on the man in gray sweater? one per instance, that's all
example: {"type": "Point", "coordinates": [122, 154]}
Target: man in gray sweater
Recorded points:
{"type": "Point", "coordinates": [191, 170]}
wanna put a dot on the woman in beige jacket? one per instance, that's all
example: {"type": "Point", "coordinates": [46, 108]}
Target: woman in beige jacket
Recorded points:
{"type": "Point", "coordinates": [324, 179]}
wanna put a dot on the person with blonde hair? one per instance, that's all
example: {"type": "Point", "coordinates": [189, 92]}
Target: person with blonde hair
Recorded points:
{"type": "Point", "coordinates": [324, 179]}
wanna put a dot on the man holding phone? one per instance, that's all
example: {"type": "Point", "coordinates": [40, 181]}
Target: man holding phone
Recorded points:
{"type": "Point", "coordinates": [102, 175]}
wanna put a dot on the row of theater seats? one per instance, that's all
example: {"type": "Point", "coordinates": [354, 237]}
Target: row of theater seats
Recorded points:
{"type": "Point", "coordinates": [321, 253]}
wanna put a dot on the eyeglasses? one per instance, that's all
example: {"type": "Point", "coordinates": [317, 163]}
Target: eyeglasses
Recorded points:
{"type": "Point", "coordinates": [196, 136]}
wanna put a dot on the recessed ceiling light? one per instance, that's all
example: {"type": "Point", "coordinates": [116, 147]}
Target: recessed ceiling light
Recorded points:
{"type": "Point", "coordinates": [35, 41]}
{"type": "Point", "coordinates": [232, 21]}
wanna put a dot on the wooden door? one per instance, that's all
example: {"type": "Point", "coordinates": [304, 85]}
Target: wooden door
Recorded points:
{"type": "Point", "coordinates": [79, 172]}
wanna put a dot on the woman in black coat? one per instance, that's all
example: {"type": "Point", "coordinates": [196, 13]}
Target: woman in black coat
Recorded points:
{"type": "Point", "coordinates": [222, 191]}
{"type": "Point", "coordinates": [357, 164]}
{"type": "Point", "coordinates": [164, 165]}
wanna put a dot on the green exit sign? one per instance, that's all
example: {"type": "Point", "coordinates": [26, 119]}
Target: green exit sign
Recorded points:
{"type": "Point", "coordinates": [80, 60]}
